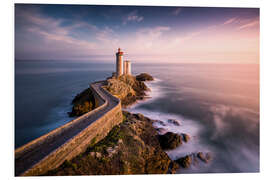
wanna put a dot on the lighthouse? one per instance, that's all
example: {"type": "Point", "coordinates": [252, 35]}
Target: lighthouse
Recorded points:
{"type": "Point", "coordinates": [119, 62]}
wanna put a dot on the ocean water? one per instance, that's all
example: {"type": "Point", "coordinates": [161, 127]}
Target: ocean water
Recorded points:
{"type": "Point", "coordinates": [216, 104]}
{"type": "Point", "coordinates": [44, 91]}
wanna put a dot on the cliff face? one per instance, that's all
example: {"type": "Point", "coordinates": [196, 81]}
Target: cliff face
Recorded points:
{"type": "Point", "coordinates": [130, 148]}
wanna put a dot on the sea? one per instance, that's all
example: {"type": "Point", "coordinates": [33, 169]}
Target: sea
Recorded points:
{"type": "Point", "coordinates": [217, 105]}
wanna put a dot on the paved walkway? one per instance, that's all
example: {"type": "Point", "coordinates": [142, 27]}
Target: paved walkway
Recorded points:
{"type": "Point", "coordinates": [34, 155]}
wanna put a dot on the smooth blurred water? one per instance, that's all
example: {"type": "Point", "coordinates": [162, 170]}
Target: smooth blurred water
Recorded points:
{"type": "Point", "coordinates": [216, 104]}
{"type": "Point", "coordinates": [44, 91]}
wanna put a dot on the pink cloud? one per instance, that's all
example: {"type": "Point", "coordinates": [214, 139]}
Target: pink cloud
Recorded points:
{"type": "Point", "coordinates": [229, 21]}
{"type": "Point", "coordinates": [205, 43]}
{"type": "Point", "coordinates": [249, 24]}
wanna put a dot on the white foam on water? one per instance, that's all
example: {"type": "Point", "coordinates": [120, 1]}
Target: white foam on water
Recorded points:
{"type": "Point", "coordinates": [187, 126]}
{"type": "Point", "coordinates": [152, 95]}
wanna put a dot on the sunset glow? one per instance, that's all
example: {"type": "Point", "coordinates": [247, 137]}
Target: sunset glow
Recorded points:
{"type": "Point", "coordinates": [147, 34]}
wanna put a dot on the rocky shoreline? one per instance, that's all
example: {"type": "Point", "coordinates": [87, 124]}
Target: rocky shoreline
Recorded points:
{"type": "Point", "coordinates": [134, 146]}
{"type": "Point", "coordinates": [83, 103]}
{"type": "Point", "coordinates": [127, 88]}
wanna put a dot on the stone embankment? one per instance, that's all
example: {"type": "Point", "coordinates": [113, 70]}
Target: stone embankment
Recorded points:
{"type": "Point", "coordinates": [132, 147]}
{"type": "Point", "coordinates": [64, 143]}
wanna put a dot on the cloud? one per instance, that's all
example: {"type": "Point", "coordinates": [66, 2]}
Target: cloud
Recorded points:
{"type": "Point", "coordinates": [153, 33]}
{"type": "Point", "coordinates": [41, 36]}
{"type": "Point", "coordinates": [176, 11]}
{"type": "Point", "coordinates": [249, 24]}
{"type": "Point", "coordinates": [148, 39]}
{"type": "Point", "coordinates": [107, 36]}
{"type": "Point", "coordinates": [242, 23]}
{"type": "Point", "coordinates": [133, 16]}
{"type": "Point", "coordinates": [54, 37]}
{"type": "Point", "coordinates": [229, 21]}
{"type": "Point", "coordinates": [51, 30]}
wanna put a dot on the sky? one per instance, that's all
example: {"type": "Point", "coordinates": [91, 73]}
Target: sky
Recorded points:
{"type": "Point", "coordinates": [145, 33]}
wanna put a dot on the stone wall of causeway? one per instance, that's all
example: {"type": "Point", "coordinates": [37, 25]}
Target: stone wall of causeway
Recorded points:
{"type": "Point", "coordinates": [93, 133]}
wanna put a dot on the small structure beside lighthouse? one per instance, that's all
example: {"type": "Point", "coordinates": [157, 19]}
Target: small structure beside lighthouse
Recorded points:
{"type": "Point", "coordinates": [119, 62]}
{"type": "Point", "coordinates": [120, 69]}
{"type": "Point", "coordinates": [127, 67]}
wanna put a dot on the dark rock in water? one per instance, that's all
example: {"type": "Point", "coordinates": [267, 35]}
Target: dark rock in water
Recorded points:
{"type": "Point", "coordinates": [83, 103]}
{"type": "Point", "coordinates": [169, 140]}
{"type": "Point", "coordinates": [193, 158]}
{"type": "Point", "coordinates": [161, 130]}
{"type": "Point", "coordinates": [185, 162]}
{"type": "Point", "coordinates": [204, 157]}
{"type": "Point", "coordinates": [185, 137]}
{"type": "Point", "coordinates": [173, 167]}
{"type": "Point", "coordinates": [208, 156]}
{"type": "Point", "coordinates": [173, 121]}
{"type": "Point", "coordinates": [144, 77]}
{"type": "Point", "coordinates": [160, 122]}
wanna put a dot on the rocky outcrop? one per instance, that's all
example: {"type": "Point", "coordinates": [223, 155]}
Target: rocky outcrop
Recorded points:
{"type": "Point", "coordinates": [205, 157]}
{"type": "Point", "coordinates": [160, 122]}
{"type": "Point", "coordinates": [193, 159]}
{"type": "Point", "coordinates": [185, 162]}
{"type": "Point", "coordinates": [144, 77]}
{"type": "Point", "coordinates": [83, 103]}
{"type": "Point", "coordinates": [185, 137]}
{"type": "Point", "coordinates": [130, 148]}
{"type": "Point", "coordinates": [120, 89]}
{"type": "Point", "coordinates": [161, 130]}
{"type": "Point", "coordinates": [174, 122]}
{"type": "Point", "coordinates": [127, 88]}
{"type": "Point", "coordinates": [169, 140]}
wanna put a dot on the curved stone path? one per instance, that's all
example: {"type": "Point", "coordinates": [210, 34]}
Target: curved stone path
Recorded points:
{"type": "Point", "coordinates": [26, 159]}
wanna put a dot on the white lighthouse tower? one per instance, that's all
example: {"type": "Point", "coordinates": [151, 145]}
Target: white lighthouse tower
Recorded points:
{"type": "Point", "coordinates": [119, 62]}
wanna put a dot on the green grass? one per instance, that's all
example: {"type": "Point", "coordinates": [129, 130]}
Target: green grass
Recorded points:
{"type": "Point", "coordinates": [109, 141]}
